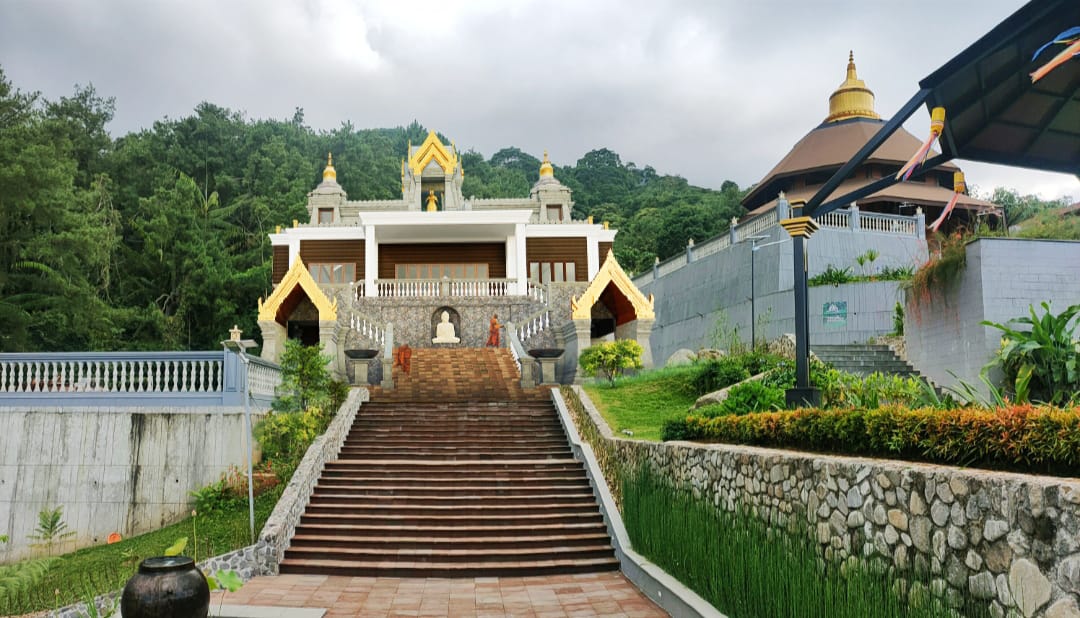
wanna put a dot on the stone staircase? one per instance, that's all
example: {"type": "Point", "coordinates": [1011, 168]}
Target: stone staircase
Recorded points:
{"type": "Point", "coordinates": [459, 374]}
{"type": "Point", "coordinates": [864, 359]}
{"type": "Point", "coordinates": [457, 489]}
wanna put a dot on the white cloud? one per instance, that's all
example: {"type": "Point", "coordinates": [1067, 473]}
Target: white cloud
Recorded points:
{"type": "Point", "coordinates": [707, 89]}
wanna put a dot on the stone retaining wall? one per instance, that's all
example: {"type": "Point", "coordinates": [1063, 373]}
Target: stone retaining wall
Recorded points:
{"type": "Point", "coordinates": [1010, 540]}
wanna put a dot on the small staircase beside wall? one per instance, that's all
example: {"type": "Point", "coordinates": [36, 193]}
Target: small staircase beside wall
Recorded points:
{"type": "Point", "coordinates": [864, 359]}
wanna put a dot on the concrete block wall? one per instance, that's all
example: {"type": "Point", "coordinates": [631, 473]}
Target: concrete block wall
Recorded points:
{"type": "Point", "coordinates": [690, 300]}
{"type": "Point", "coordinates": [1002, 277]}
{"type": "Point", "coordinates": [125, 470]}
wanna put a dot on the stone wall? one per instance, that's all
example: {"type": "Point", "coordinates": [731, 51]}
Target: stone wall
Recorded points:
{"type": "Point", "coordinates": [1009, 540]}
{"type": "Point", "coordinates": [126, 470]}
{"type": "Point", "coordinates": [1002, 277]}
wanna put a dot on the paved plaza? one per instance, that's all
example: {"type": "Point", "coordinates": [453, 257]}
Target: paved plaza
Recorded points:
{"type": "Point", "coordinates": [592, 594]}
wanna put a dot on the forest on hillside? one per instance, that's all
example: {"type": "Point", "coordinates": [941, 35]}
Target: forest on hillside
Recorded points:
{"type": "Point", "coordinates": [158, 239]}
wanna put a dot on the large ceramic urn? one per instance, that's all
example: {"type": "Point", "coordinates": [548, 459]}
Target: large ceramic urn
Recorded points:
{"type": "Point", "coordinates": [166, 587]}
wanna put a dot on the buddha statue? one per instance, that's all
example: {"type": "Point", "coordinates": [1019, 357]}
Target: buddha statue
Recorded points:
{"type": "Point", "coordinates": [444, 331]}
{"type": "Point", "coordinates": [432, 201]}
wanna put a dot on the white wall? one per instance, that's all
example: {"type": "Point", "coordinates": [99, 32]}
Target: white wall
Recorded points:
{"type": "Point", "coordinates": [112, 470]}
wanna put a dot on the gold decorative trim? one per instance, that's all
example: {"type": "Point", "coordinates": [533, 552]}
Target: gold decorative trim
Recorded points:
{"type": "Point", "coordinates": [298, 275]}
{"type": "Point", "coordinates": [800, 226]}
{"type": "Point", "coordinates": [611, 272]}
{"type": "Point", "coordinates": [432, 149]}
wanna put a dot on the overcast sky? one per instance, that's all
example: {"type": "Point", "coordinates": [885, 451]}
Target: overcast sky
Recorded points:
{"type": "Point", "coordinates": [706, 89]}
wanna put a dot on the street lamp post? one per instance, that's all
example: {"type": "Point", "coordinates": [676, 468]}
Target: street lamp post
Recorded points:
{"type": "Point", "coordinates": [235, 344]}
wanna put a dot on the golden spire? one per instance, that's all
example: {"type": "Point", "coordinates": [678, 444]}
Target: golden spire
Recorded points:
{"type": "Point", "coordinates": [546, 171]}
{"type": "Point", "coordinates": [329, 173]}
{"type": "Point", "coordinates": [852, 99]}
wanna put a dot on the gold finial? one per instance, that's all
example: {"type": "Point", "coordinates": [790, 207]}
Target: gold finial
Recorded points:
{"type": "Point", "coordinates": [606, 224]}
{"type": "Point", "coordinates": [589, 219]}
{"type": "Point", "coordinates": [329, 174]}
{"type": "Point", "coordinates": [546, 170]}
{"type": "Point", "coordinates": [277, 229]}
{"type": "Point", "coordinates": [852, 99]}
{"type": "Point", "coordinates": [432, 201]}
{"type": "Point", "coordinates": [295, 223]}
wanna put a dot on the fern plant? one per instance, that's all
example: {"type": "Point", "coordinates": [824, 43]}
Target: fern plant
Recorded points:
{"type": "Point", "coordinates": [21, 577]}
{"type": "Point", "coordinates": [51, 527]}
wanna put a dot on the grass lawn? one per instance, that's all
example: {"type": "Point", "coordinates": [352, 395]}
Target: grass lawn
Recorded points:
{"type": "Point", "coordinates": [91, 571]}
{"type": "Point", "coordinates": [642, 403]}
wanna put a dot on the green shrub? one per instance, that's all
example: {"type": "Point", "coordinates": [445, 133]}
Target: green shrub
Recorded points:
{"type": "Point", "coordinates": [286, 436]}
{"type": "Point", "coordinates": [753, 396]}
{"type": "Point", "coordinates": [611, 358]}
{"type": "Point", "coordinates": [215, 498]}
{"type": "Point", "coordinates": [898, 320]}
{"type": "Point", "coordinates": [1022, 437]}
{"type": "Point", "coordinates": [896, 273]}
{"type": "Point", "coordinates": [717, 373]}
{"type": "Point", "coordinates": [832, 276]}
{"type": "Point", "coordinates": [680, 429]}
{"type": "Point", "coordinates": [759, 361]}
{"type": "Point", "coordinates": [1041, 356]}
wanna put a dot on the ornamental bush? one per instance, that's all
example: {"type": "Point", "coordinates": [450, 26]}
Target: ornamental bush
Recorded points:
{"type": "Point", "coordinates": [1042, 439]}
{"type": "Point", "coordinates": [611, 358]}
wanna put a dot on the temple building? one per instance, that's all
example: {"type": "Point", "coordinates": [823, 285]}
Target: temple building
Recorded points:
{"type": "Point", "coordinates": [851, 122]}
{"type": "Point", "coordinates": [432, 269]}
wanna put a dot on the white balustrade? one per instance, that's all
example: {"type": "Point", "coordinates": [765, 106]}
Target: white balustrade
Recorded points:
{"type": "Point", "coordinates": [263, 378]}
{"type": "Point", "coordinates": [839, 218]}
{"type": "Point", "coordinates": [534, 325]}
{"type": "Point", "coordinates": [755, 226]}
{"type": "Point", "coordinates": [368, 328]}
{"type": "Point", "coordinates": [112, 373]}
{"type": "Point", "coordinates": [431, 288]}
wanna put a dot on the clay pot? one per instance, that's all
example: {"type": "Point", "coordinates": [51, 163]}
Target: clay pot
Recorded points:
{"type": "Point", "coordinates": [166, 587]}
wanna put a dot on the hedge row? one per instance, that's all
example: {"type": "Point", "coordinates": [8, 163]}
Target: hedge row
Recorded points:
{"type": "Point", "coordinates": [1020, 437]}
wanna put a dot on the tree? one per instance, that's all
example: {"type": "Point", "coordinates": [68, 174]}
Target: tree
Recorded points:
{"type": "Point", "coordinates": [304, 378]}
{"type": "Point", "coordinates": [611, 358]}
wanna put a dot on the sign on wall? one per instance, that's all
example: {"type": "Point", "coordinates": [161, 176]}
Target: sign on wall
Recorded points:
{"type": "Point", "coordinates": [834, 314]}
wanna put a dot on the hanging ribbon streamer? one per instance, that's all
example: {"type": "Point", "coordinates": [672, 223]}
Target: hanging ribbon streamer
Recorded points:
{"type": "Point", "coordinates": [937, 125]}
{"type": "Point", "coordinates": [1071, 39]}
{"type": "Point", "coordinates": [959, 187]}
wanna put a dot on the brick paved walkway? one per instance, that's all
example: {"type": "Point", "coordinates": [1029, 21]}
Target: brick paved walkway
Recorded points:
{"type": "Point", "coordinates": [592, 594]}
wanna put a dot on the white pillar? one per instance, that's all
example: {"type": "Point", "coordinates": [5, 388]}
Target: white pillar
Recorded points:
{"type": "Point", "coordinates": [294, 250]}
{"type": "Point", "coordinates": [521, 270]}
{"type": "Point", "coordinates": [592, 249]}
{"type": "Point", "coordinates": [371, 261]}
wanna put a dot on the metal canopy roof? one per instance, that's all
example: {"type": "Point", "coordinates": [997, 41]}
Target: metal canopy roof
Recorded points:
{"type": "Point", "coordinates": [993, 111]}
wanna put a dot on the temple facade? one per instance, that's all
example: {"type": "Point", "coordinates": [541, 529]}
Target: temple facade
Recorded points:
{"type": "Point", "coordinates": [433, 269]}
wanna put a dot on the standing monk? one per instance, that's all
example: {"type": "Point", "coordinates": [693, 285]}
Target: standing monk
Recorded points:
{"type": "Point", "coordinates": [493, 332]}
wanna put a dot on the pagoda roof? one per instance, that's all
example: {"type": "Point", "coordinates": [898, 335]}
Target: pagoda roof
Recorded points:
{"type": "Point", "coordinates": [827, 148]}
{"type": "Point", "coordinates": [916, 192]}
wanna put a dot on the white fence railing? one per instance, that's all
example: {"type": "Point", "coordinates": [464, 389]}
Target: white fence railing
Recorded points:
{"type": "Point", "coordinates": [424, 288]}
{"type": "Point", "coordinates": [134, 378]}
{"type": "Point", "coordinates": [122, 375]}
{"type": "Point", "coordinates": [534, 325]}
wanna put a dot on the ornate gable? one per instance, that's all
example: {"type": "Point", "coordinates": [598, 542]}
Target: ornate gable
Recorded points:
{"type": "Point", "coordinates": [432, 150]}
{"type": "Point", "coordinates": [285, 296]}
{"type": "Point", "coordinates": [612, 274]}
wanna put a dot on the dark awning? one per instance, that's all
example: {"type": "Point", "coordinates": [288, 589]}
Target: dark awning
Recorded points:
{"type": "Point", "coordinates": [993, 111]}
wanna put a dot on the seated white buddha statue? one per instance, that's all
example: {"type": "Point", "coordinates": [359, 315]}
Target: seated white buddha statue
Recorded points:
{"type": "Point", "coordinates": [444, 331]}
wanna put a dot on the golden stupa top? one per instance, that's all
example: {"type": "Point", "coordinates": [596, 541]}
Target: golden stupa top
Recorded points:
{"type": "Point", "coordinates": [852, 99]}
{"type": "Point", "coordinates": [433, 150]}
{"type": "Point", "coordinates": [329, 174]}
{"type": "Point", "coordinates": [546, 170]}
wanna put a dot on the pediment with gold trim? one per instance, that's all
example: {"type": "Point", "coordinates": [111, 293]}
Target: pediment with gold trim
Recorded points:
{"type": "Point", "coordinates": [433, 150]}
{"type": "Point", "coordinates": [296, 283]}
{"type": "Point", "coordinates": [611, 280]}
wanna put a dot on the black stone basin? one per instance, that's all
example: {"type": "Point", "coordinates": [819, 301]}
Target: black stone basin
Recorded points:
{"type": "Point", "coordinates": [361, 354]}
{"type": "Point", "coordinates": [546, 352]}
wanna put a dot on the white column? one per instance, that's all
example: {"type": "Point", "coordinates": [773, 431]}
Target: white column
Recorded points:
{"type": "Point", "coordinates": [294, 250]}
{"type": "Point", "coordinates": [371, 261]}
{"type": "Point", "coordinates": [593, 249]}
{"type": "Point", "coordinates": [521, 269]}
